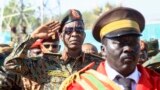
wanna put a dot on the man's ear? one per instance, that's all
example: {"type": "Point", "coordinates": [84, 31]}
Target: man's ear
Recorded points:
{"type": "Point", "coordinates": [59, 47]}
{"type": "Point", "coordinates": [103, 50]}
{"type": "Point", "coordinates": [84, 35]}
{"type": "Point", "coordinates": [61, 36]}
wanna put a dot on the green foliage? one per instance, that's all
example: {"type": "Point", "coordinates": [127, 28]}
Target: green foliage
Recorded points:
{"type": "Point", "coordinates": [32, 18]}
{"type": "Point", "coordinates": [89, 19]}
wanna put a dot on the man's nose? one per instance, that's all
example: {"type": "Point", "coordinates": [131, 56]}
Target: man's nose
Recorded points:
{"type": "Point", "coordinates": [74, 33]}
{"type": "Point", "coordinates": [127, 48]}
{"type": "Point", "coordinates": [50, 48]}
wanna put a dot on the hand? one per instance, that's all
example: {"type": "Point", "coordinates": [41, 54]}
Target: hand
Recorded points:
{"type": "Point", "coordinates": [46, 30]}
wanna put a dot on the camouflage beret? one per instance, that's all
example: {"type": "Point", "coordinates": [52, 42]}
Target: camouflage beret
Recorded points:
{"type": "Point", "coordinates": [117, 22]}
{"type": "Point", "coordinates": [70, 16]}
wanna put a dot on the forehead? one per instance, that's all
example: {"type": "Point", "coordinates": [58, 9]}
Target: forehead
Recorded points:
{"type": "Point", "coordinates": [74, 23]}
{"type": "Point", "coordinates": [35, 49]}
{"type": "Point", "coordinates": [123, 38]}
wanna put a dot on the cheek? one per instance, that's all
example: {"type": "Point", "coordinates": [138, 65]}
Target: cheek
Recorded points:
{"type": "Point", "coordinates": [113, 52]}
{"type": "Point", "coordinates": [82, 38]}
{"type": "Point", "coordinates": [137, 49]}
{"type": "Point", "coordinates": [65, 39]}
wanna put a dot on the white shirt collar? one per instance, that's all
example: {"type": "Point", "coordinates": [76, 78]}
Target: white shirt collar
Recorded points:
{"type": "Point", "coordinates": [111, 73]}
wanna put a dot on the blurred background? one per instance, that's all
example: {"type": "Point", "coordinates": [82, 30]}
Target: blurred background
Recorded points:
{"type": "Point", "coordinates": [30, 14]}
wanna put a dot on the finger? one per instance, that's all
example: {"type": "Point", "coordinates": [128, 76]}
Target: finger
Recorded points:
{"type": "Point", "coordinates": [50, 34]}
{"type": "Point", "coordinates": [48, 23]}
{"type": "Point", "coordinates": [55, 28]}
{"type": "Point", "coordinates": [52, 23]}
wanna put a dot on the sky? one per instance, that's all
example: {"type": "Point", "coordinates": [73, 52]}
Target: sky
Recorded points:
{"type": "Point", "coordinates": [149, 8]}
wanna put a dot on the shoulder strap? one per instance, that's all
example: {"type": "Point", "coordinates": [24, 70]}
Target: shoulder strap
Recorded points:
{"type": "Point", "coordinates": [104, 79]}
{"type": "Point", "coordinates": [74, 77]}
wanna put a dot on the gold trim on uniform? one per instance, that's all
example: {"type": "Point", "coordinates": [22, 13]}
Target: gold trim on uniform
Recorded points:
{"type": "Point", "coordinates": [58, 73]}
{"type": "Point", "coordinates": [117, 25]}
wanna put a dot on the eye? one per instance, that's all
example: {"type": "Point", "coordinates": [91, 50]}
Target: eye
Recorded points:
{"type": "Point", "coordinates": [38, 53]}
{"type": "Point", "coordinates": [116, 42]}
{"type": "Point", "coordinates": [68, 30]}
{"type": "Point", "coordinates": [79, 29]}
{"type": "Point", "coordinates": [46, 46]}
{"type": "Point", "coordinates": [54, 46]}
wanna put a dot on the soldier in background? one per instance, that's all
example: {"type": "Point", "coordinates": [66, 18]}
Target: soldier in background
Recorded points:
{"type": "Point", "coordinates": [22, 34]}
{"type": "Point", "coordinates": [8, 80]}
{"type": "Point", "coordinates": [143, 52]}
{"type": "Point", "coordinates": [153, 63]}
{"type": "Point", "coordinates": [47, 45]}
{"type": "Point", "coordinates": [154, 54]}
{"type": "Point", "coordinates": [89, 48]}
{"type": "Point", "coordinates": [153, 47]}
{"type": "Point", "coordinates": [14, 36]}
{"type": "Point", "coordinates": [119, 31]}
{"type": "Point", "coordinates": [49, 71]}
{"type": "Point", "coordinates": [35, 49]}
{"type": "Point", "coordinates": [51, 44]}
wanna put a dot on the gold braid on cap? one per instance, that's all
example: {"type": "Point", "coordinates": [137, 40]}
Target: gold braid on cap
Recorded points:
{"type": "Point", "coordinates": [125, 23]}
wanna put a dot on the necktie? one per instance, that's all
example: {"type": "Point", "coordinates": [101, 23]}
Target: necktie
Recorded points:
{"type": "Point", "coordinates": [126, 82]}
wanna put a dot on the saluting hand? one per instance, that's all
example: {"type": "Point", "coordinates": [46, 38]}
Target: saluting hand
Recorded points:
{"type": "Point", "coordinates": [46, 30]}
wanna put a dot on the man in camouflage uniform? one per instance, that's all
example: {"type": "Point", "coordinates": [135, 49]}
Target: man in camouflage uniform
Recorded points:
{"type": "Point", "coordinates": [47, 72]}
{"type": "Point", "coordinates": [8, 80]}
{"type": "Point", "coordinates": [89, 48]}
{"type": "Point", "coordinates": [153, 63]}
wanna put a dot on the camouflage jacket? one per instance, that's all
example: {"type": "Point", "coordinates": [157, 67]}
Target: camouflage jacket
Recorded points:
{"type": "Point", "coordinates": [45, 72]}
{"type": "Point", "coordinates": [8, 80]}
{"type": "Point", "coordinates": [153, 63]}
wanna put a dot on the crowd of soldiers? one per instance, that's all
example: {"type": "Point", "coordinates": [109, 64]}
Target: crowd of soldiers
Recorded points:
{"type": "Point", "coordinates": [36, 63]}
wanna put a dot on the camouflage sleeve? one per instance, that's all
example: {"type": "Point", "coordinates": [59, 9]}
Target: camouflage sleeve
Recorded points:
{"type": "Point", "coordinates": [9, 81]}
{"type": "Point", "coordinates": [14, 62]}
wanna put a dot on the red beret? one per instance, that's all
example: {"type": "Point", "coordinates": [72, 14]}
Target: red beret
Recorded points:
{"type": "Point", "coordinates": [36, 44]}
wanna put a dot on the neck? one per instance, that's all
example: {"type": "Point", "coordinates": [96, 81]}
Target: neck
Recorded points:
{"type": "Point", "coordinates": [74, 53]}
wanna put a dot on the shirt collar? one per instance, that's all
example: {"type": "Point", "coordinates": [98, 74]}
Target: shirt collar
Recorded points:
{"type": "Point", "coordinates": [111, 73]}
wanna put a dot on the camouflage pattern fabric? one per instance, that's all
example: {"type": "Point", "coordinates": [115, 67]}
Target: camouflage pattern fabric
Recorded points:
{"type": "Point", "coordinates": [153, 63]}
{"type": "Point", "coordinates": [47, 72]}
{"type": "Point", "coordinates": [9, 81]}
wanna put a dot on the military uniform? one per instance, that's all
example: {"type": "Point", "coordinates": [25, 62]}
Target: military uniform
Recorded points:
{"type": "Point", "coordinates": [153, 63]}
{"type": "Point", "coordinates": [113, 28]}
{"type": "Point", "coordinates": [8, 80]}
{"type": "Point", "coordinates": [45, 72]}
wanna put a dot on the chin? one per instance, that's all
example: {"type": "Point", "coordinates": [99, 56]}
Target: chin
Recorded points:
{"type": "Point", "coordinates": [74, 48]}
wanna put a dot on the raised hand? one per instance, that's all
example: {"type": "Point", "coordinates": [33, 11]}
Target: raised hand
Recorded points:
{"type": "Point", "coordinates": [46, 30]}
